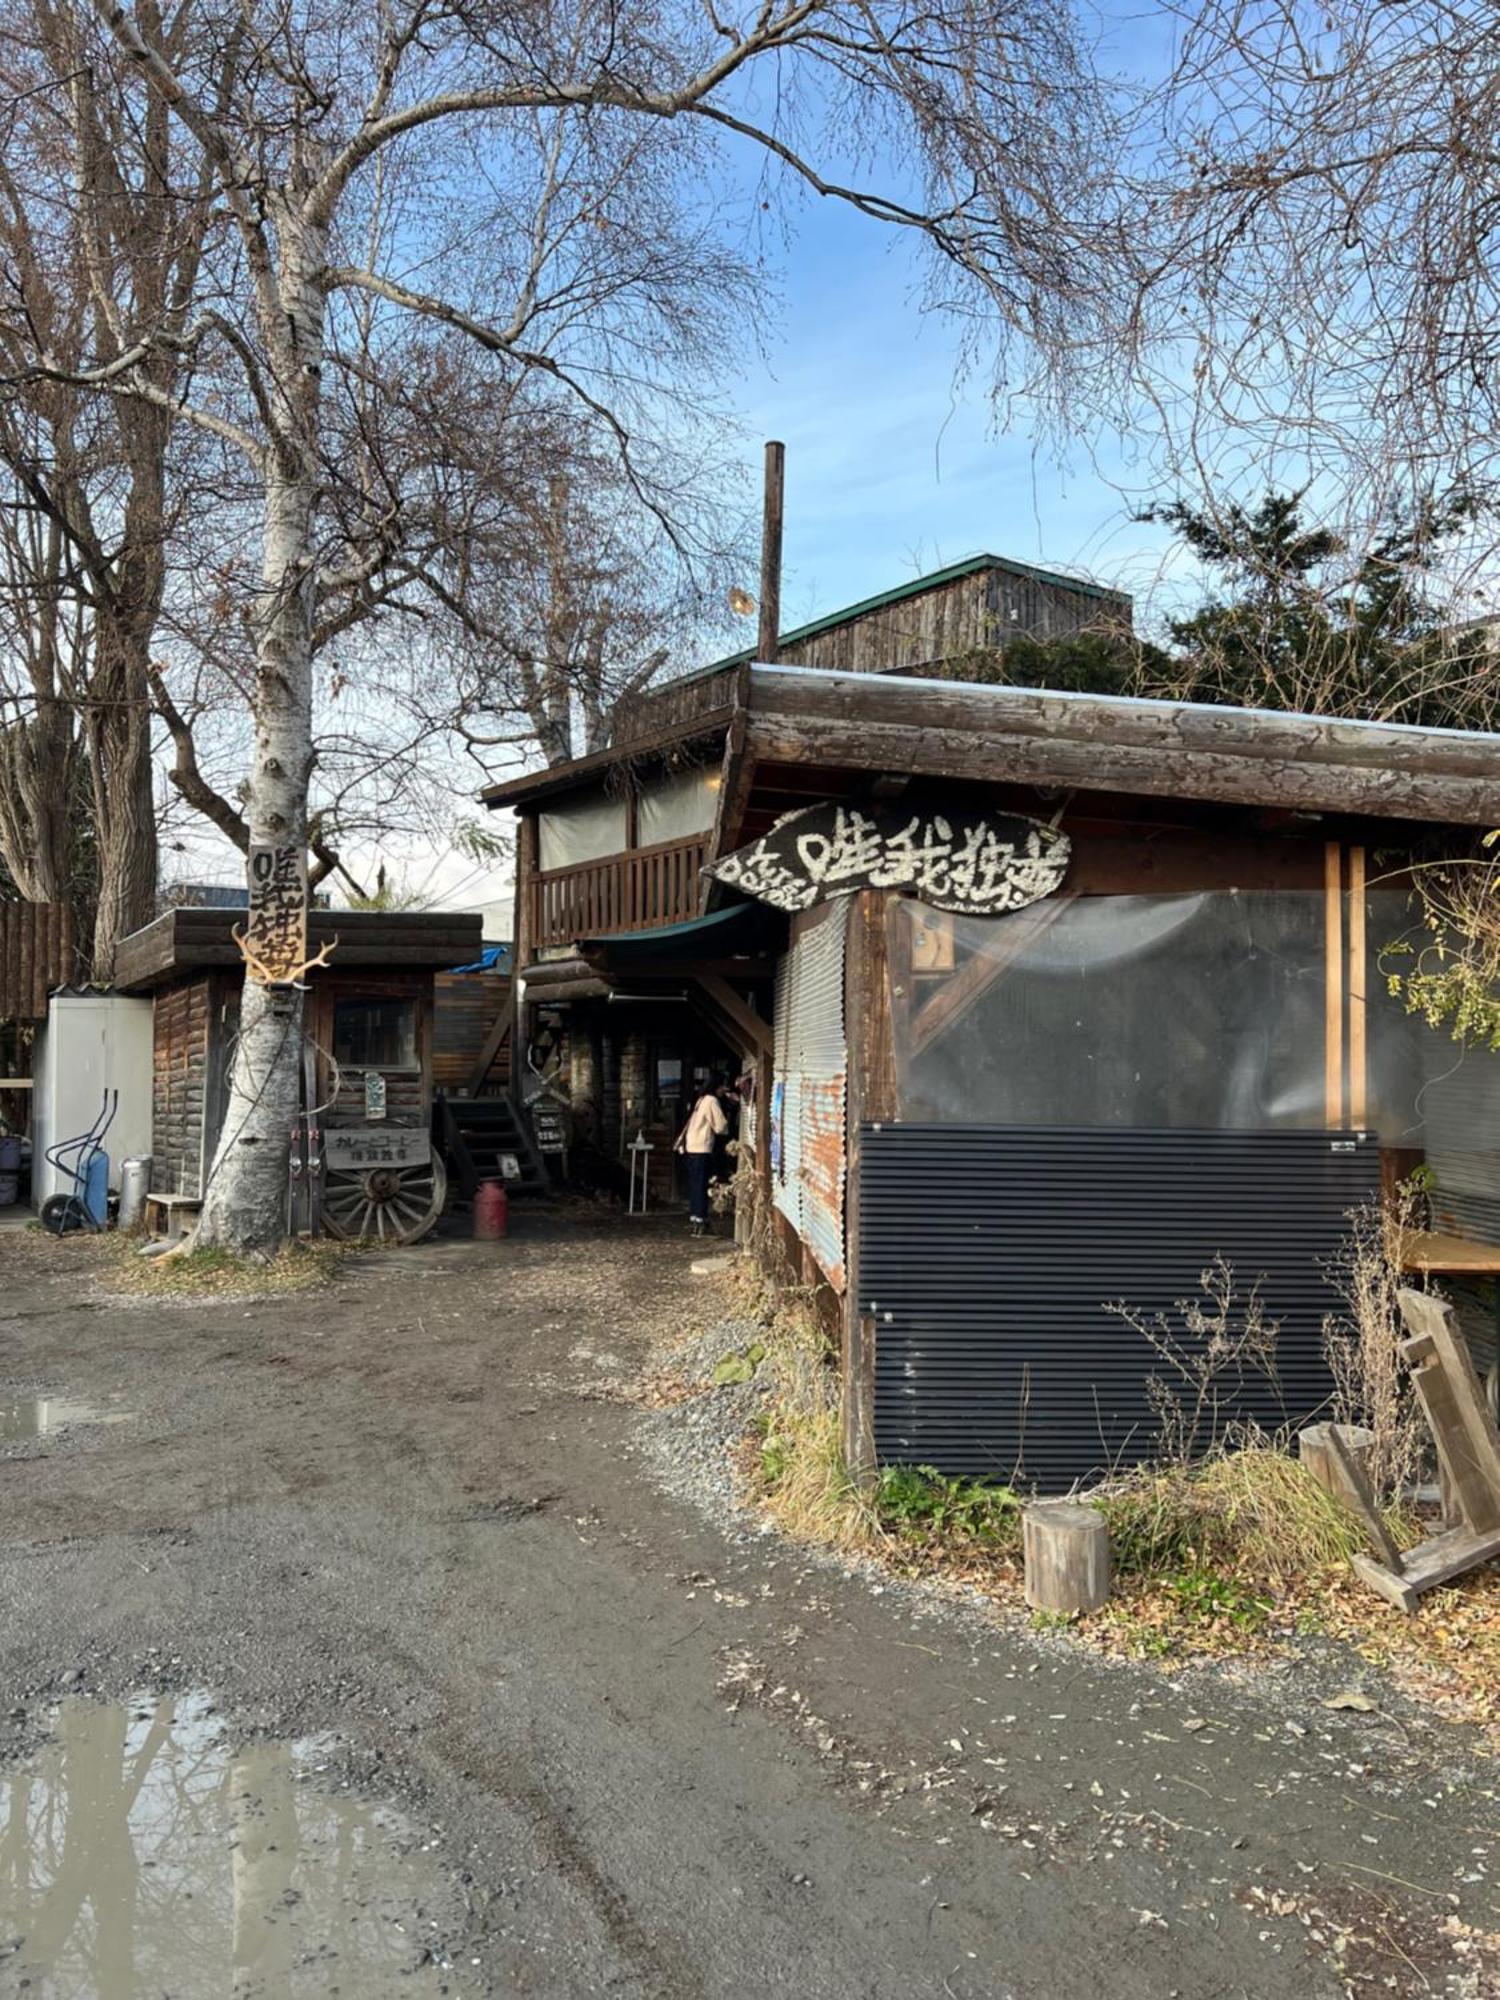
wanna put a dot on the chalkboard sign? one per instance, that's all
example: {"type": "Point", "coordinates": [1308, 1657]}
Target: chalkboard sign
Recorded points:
{"type": "Point", "coordinates": [549, 1123]}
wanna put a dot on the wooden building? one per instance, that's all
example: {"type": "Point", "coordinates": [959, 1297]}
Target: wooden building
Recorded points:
{"type": "Point", "coordinates": [381, 1026]}
{"type": "Point", "coordinates": [1067, 1001]}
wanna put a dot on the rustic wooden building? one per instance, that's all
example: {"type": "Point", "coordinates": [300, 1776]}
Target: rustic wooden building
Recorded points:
{"type": "Point", "coordinates": [374, 1021]}
{"type": "Point", "coordinates": [1051, 1000]}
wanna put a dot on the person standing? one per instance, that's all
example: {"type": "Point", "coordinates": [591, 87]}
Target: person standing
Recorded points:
{"type": "Point", "coordinates": [706, 1124]}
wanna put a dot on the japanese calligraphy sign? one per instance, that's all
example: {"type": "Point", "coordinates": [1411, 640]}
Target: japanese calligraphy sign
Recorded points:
{"type": "Point", "coordinates": [977, 863]}
{"type": "Point", "coordinates": [276, 932]}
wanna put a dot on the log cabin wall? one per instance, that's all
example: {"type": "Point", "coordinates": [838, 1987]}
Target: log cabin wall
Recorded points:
{"type": "Point", "coordinates": [465, 1006]}
{"type": "Point", "coordinates": [182, 1023]}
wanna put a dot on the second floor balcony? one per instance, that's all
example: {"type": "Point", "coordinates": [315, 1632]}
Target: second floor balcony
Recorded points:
{"type": "Point", "coordinates": [638, 890]}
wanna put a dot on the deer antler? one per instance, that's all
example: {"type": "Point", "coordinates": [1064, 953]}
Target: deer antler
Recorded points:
{"type": "Point", "coordinates": [257, 969]}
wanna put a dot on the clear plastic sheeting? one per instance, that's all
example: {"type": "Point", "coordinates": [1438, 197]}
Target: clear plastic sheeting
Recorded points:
{"type": "Point", "coordinates": [676, 808]}
{"type": "Point", "coordinates": [1192, 1011]}
{"type": "Point", "coordinates": [574, 830]}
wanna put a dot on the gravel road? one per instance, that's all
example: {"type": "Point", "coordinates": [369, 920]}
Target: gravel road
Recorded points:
{"type": "Point", "coordinates": [665, 1754]}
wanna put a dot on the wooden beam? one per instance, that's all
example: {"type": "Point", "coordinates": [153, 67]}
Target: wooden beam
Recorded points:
{"type": "Point", "coordinates": [1333, 986]}
{"type": "Point", "coordinates": [1012, 935]}
{"type": "Point", "coordinates": [494, 1041]}
{"type": "Point", "coordinates": [878, 723]}
{"type": "Point", "coordinates": [754, 1033]}
{"type": "Point", "coordinates": [871, 1099]}
{"type": "Point", "coordinates": [1359, 1078]}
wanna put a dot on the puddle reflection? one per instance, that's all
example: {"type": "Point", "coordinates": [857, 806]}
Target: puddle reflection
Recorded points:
{"type": "Point", "coordinates": [141, 1855]}
{"type": "Point", "coordinates": [39, 1416]}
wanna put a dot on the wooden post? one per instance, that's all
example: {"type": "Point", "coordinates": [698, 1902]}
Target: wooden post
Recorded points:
{"type": "Point", "coordinates": [1326, 1465]}
{"type": "Point", "coordinates": [871, 1098]}
{"type": "Point", "coordinates": [770, 553]}
{"type": "Point", "coordinates": [1333, 986]}
{"type": "Point", "coordinates": [1358, 1058]}
{"type": "Point", "coordinates": [1066, 1547]}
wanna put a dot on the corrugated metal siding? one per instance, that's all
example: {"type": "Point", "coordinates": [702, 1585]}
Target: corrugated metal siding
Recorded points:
{"type": "Point", "coordinates": [811, 1066]}
{"type": "Point", "coordinates": [988, 1254]}
{"type": "Point", "coordinates": [1462, 1113]}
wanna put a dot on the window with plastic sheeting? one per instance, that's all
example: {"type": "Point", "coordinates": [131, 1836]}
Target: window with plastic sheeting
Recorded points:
{"type": "Point", "coordinates": [676, 808]}
{"type": "Point", "coordinates": [1168, 1012]}
{"type": "Point", "coordinates": [1426, 1092]}
{"type": "Point", "coordinates": [586, 828]}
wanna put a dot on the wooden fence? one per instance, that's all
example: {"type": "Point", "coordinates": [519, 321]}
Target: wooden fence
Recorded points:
{"type": "Point", "coordinates": [36, 954]}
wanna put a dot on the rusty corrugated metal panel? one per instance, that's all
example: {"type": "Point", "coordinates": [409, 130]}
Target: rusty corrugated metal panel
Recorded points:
{"type": "Point", "coordinates": [36, 954]}
{"type": "Point", "coordinates": [811, 1064]}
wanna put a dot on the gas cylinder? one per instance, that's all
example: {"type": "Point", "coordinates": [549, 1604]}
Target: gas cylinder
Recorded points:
{"type": "Point", "coordinates": [491, 1211]}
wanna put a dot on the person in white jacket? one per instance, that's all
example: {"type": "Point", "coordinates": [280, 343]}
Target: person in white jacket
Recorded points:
{"type": "Point", "coordinates": [706, 1124]}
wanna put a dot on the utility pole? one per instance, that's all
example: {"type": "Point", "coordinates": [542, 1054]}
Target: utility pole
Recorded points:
{"type": "Point", "coordinates": [770, 553]}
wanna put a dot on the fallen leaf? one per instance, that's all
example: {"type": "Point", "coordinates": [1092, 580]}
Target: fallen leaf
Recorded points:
{"type": "Point", "coordinates": [1351, 1698]}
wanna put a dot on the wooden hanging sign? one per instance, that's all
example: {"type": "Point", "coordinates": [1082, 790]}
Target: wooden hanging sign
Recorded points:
{"type": "Point", "coordinates": [274, 940]}
{"type": "Point", "coordinates": [974, 863]}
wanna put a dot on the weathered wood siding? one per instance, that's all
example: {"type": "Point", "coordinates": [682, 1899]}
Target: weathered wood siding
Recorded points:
{"type": "Point", "coordinates": [36, 954]}
{"type": "Point", "coordinates": [180, 1080]}
{"type": "Point", "coordinates": [408, 1092]}
{"type": "Point", "coordinates": [970, 614]}
{"type": "Point", "coordinates": [465, 1006]}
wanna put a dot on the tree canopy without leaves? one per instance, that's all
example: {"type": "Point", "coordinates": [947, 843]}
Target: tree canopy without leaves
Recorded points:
{"type": "Point", "coordinates": [448, 239]}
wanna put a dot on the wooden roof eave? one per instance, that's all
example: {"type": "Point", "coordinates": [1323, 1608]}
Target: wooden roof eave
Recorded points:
{"type": "Point", "coordinates": [534, 786]}
{"type": "Point", "coordinates": [1254, 757]}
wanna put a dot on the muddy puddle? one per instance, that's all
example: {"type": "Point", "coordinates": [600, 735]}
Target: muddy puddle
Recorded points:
{"type": "Point", "coordinates": [23, 1417]}
{"type": "Point", "coordinates": [144, 1853]}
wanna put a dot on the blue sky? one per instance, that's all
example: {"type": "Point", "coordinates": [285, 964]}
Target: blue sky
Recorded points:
{"type": "Point", "coordinates": [892, 469]}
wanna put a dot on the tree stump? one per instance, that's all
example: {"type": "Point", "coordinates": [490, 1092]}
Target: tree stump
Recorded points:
{"type": "Point", "coordinates": [1066, 1547]}
{"type": "Point", "coordinates": [1312, 1450]}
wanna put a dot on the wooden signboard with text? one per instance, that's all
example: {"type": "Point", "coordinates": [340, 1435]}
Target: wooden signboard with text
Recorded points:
{"type": "Point", "coordinates": [275, 937]}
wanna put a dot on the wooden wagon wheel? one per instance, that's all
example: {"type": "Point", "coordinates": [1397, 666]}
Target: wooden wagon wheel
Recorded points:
{"type": "Point", "coordinates": [385, 1204]}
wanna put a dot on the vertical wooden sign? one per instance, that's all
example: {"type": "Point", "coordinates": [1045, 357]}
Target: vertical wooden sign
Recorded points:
{"type": "Point", "coordinates": [275, 939]}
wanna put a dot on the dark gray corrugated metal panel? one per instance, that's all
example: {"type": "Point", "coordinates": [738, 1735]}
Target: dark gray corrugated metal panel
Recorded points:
{"type": "Point", "coordinates": [987, 1254]}
{"type": "Point", "coordinates": [1461, 1110]}
{"type": "Point", "coordinates": [811, 1061]}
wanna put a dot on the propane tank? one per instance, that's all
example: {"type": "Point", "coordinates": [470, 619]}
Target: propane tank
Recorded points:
{"type": "Point", "coordinates": [491, 1211]}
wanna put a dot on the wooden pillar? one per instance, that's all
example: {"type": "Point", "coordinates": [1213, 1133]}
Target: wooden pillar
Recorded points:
{"type": "Point", "coordinates": [521, 950]}
{"type": "Point", "coordinates": [1358, 1053]}
{"type": "Point", "coordinates": [871, 1098]}
{"type": "Point", "coordinates": [1333, 986]}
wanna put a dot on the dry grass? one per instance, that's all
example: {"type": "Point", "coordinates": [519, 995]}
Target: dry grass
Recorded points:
{"type": "Point", "coordinates": [296, 1267]}
{"type": "Point", "coordinates": [1371, 1384]}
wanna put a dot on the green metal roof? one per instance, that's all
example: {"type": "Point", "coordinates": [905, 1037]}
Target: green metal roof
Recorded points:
{"type": "Point", "coordinates": [970, 566]}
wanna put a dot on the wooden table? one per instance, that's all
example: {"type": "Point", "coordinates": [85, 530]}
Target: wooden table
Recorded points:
{"type": "Point", "coordinates": [1434, 1252]}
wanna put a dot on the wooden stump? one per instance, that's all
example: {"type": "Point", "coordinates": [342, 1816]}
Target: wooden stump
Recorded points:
{"type": "Point", "coordinates": [1066, 1547]}
{"type": "Point", "coordinates": [1313, 1451]}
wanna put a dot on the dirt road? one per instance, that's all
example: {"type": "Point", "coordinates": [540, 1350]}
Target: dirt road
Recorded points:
{"type": "Point", "coordinates": [669, 1759]}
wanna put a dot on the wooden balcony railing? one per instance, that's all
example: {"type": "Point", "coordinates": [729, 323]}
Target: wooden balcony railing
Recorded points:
{"type": "Point", "coordinates": [634, 891]}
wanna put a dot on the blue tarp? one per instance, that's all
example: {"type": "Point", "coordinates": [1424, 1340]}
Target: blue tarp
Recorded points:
{"type": "Point", "coordinates": [494, 958]}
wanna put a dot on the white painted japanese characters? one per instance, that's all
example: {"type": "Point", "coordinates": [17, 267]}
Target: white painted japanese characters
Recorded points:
{"type": "Point", "coordinates": [978, 863]}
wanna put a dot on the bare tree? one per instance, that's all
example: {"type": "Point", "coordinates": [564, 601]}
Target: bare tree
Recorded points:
{"type": "Point", "coordinates": [537, 189]}
{"type": "Point", "coordinates": [101, 237]}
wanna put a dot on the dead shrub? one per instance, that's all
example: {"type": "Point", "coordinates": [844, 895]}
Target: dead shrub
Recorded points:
{"type": "Point", "coordinates": [1206, 1353]}
{"type": "Point", "coordinates": [1371, 1385]}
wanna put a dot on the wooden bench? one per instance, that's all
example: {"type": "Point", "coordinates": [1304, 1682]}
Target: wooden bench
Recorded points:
{"type": "Point", "coordinates": [172, 1215]}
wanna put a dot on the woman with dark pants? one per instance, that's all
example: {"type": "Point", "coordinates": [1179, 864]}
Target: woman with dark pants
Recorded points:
{"type": "Point", "coordinates": [706, 1123]}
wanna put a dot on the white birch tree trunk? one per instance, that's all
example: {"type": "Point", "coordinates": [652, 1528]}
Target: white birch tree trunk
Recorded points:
{"type": "Point", "coordinates": [245, 1201]}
